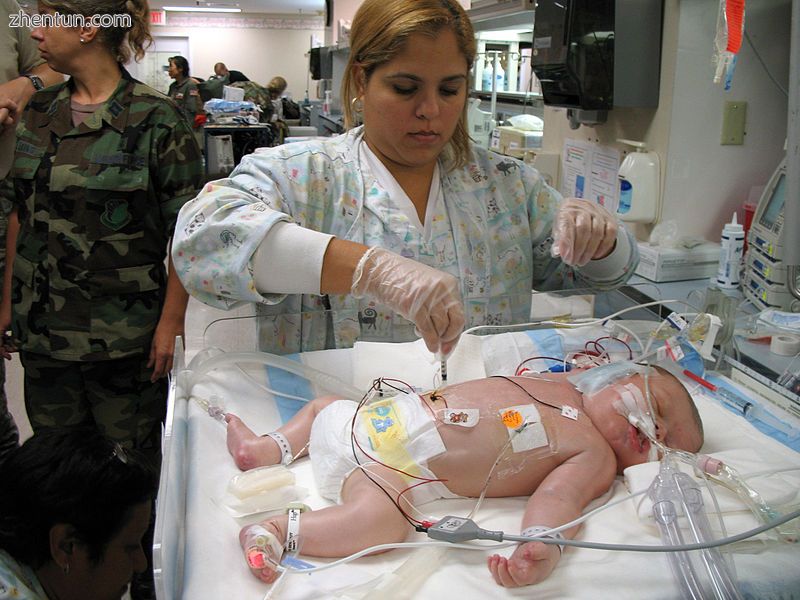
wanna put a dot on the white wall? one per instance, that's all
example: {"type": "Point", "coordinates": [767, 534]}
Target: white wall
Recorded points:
{"type": "Point", "coordinates": [259, 53]}
{"type": "Point", "coordinates": [703, 182]}
{"type": "Point", "coordinates": [706, 182]}
{"type": "Point", "coordinates": [346, 10]}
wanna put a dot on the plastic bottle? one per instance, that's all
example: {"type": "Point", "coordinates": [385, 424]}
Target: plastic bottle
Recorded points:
{"type": "Point", "coordinates": [500, 77]}
{"type": "Point", "coordinates": [486, 77]}
{"type": "Point", "coordinates": [639, 185]}
{"type": "Point", "coordinates": [730, 254]}
{"type": "Point", "coordinates": [326, 103]}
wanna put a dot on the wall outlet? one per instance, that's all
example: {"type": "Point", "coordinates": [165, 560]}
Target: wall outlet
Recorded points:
{"type": "Point", "coordinates": [734, 118]}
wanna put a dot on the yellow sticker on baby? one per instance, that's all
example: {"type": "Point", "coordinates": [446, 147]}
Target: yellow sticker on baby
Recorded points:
{"type": "Point", "coordinates": [525, 427]}
{"type": "Point", "coordinates": [387, 435]}
{"type": "Point", "coordinates": [383, 423]}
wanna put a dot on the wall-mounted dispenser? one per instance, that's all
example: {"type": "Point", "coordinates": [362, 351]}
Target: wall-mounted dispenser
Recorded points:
{"type": "Point", "coordinates": [639, 185]}
{"type": "Point", "coordinates": [593, 55]}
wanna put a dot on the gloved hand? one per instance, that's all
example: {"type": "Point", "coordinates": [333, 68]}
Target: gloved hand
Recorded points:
{"type": "Point", "coordinates": [583, 231]}
{"type": "Point", "coordinates": [429, 298]}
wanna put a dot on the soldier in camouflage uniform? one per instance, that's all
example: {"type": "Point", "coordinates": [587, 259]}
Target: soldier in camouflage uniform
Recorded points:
{"type": "Point", "coordinates": [95, 312]}
{"type": "Point", "coordinates": [103, 164]}
{"type": "Point", "coordinates": [184, 89]}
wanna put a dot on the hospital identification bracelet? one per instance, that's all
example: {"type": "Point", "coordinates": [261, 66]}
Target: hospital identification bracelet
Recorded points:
{"type": "Point", "coordinates": [538, 530]}
{"type": "Point", "coordinates": [293, 525]}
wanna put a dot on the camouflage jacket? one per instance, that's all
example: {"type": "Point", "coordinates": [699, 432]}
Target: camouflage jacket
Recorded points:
{"type": "Point", "coordinates": [97, 205]}
{"type": "Point", "coordinates": [187, 97]}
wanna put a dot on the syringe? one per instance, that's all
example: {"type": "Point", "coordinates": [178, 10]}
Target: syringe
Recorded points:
{"type": "Point", "coordinates": [754, 412]}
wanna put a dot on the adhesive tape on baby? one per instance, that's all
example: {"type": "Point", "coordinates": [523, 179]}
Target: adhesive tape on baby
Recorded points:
{"type": "Point", "coordinates": [785, 344]}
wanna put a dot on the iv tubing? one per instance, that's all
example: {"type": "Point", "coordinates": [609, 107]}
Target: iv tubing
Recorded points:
{"type": "Point", "coordinates": [565, 542]}
{"type": "Point", "coordinates": [575, 324]}
{"type": "Point", "coordinates": [325, 380]}
{"type": "Point", "coordinates": [671, 548]}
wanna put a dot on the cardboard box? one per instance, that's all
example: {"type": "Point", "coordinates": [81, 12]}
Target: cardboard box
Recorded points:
{"type": "Point", "coordinates": [676, 264]}
{"type": "Point", "coordinates": [514, 142]}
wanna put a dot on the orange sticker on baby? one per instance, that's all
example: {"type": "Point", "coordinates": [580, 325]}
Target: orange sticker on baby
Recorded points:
{"type": "Point", "coordinates": [512, 419]}
{"type": "Point", "coordinates": [525, 427]}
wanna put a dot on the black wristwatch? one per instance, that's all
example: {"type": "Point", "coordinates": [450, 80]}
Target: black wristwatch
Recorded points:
{"type": "Point", "coordinates": [37, 82]}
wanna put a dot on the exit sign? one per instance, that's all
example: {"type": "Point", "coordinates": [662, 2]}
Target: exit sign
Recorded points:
{"type": "Point", "coordinates": [158, 17]}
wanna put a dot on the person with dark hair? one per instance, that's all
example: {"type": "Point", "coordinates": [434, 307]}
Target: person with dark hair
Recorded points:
{"type": "Point", "coordinates": [74, 507]}
{"type": "Point", "coordinates": [222, 72]}
{"type": "Point", "coordinates": [184, 90]}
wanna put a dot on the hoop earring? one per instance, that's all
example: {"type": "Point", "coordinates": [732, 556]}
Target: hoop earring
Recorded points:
{"type": "Point", "coordinates": [357, 105]}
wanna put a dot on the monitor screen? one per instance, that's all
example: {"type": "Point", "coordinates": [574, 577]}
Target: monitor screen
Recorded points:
{"type": "Point", "coordinates": [774, 205]}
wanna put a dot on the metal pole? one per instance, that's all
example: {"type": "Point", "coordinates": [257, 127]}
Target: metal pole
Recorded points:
{"type": "Point", "coordinates": [495, 64]}
{"type": "Point", "coordinates": [791, 229]}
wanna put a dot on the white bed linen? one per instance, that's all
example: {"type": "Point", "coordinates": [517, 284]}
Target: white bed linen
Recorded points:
{"type": "Point", "coordinates": [214, 568]}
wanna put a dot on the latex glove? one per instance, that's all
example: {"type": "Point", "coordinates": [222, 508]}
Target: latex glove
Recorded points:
{"type": "Point", "coordinates": [429, 298]}
{"type": "Point", "coordinates": [583, 231]}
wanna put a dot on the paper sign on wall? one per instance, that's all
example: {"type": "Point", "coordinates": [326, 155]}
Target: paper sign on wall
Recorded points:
{"type": "Point", "coordinates": [590, 171]}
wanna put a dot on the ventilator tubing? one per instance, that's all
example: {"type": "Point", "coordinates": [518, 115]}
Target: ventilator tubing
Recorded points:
{"type": "Point", "coordinates": [728, 477]}
{"type": "Point", "coordinates": [674, 493]}
{"type": "Point", "coordinates": [324, 380]}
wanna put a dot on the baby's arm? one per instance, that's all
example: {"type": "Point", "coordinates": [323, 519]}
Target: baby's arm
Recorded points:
{"type": "Point", "coordinates": [559, 499]}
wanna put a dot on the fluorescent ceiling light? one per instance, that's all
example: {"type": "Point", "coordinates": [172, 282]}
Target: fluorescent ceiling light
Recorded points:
{"type": "Point", "coordinates": [200, 9]}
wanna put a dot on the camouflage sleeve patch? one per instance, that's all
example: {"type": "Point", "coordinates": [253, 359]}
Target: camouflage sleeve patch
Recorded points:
{"type": "Point", "coordinates": [179, 165]}
{"type": "Point", "coordinates": [6, 198]}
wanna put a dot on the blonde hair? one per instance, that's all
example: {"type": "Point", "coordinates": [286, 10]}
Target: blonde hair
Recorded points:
{"type": "Point", "coordinates": [277, 85]}
{"type": "Point", "coordinates": [381, 29]}
{"type": "Point", "coordinates": [120, 41]}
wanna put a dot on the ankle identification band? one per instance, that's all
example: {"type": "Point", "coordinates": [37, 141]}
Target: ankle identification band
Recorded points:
{"type": "Point", "coordinates": [286, 450]}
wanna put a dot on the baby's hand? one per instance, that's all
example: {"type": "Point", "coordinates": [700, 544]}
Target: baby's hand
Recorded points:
{"type": "Point", "coordinates": [531, 563]}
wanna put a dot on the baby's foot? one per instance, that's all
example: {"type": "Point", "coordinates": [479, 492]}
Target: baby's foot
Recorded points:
{"type": "Point", "coordinates": [248, 449]}
{"type": "Point", "coordinates": [262, 550]}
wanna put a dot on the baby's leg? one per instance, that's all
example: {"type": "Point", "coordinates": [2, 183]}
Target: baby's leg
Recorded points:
{"type": "Point", "coordinates": [250, 450]}
{"type": "Point", "coordinates": [366, 517]}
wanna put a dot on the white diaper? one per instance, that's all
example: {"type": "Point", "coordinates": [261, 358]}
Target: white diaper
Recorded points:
{"type": "Point", "coordinates": [402, 418]}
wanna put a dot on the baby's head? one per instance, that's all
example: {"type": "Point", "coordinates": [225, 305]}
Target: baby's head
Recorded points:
{"type": "Point", "coordinates": [677, 422]}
